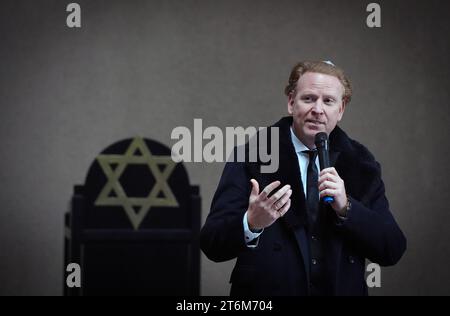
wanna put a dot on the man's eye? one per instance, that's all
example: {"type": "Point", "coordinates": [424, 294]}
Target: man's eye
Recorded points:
{"type": "Point", "coordinates": [329, 101]}
{"type": "Point", "coordinates": [307, 99]}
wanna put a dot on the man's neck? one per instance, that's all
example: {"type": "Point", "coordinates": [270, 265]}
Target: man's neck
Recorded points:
{"type": "Point", "coordinates": [308, 143]}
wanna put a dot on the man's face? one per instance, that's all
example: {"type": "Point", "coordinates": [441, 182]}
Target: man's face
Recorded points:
{"type": "Point", "coordinates": [316, 105]}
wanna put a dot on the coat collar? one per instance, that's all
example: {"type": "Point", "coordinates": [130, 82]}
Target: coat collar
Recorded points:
{"type": "Point", "coordinates": [339, 141]}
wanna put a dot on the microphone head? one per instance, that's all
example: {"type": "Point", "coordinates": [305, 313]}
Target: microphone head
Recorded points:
{"type": "Point", "coordinates": [321, 139]}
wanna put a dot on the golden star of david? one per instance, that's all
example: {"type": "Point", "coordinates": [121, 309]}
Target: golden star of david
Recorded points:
{"type": "Point", "coordinates": [136, 208]}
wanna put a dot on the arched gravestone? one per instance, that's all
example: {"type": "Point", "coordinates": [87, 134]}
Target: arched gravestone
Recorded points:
{"type": "Point", "coordinates": [134, 225]}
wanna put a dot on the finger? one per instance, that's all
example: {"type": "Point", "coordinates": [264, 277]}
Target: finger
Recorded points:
{"type": "Point", "coordinates": [283, 200]}
{"type": "Point", "coordinates": [277, 195]}
{"type": "Point", "coordinates": [330, 170]}
{"type": "Point", "coordinates": [285, 208]}
{"type": "Point", "coordinates": [328, 185]}
{"type": "Point", "coordinates": [333, 171]}
{"type": "Point", "coordinates": [328, 192]}
{"type": "Point", "coordinates": [329, 177]}
{"type": "Point", "coordinates": [277, 205]}
{"type": "Point", "coordinates": [327, 172]}
{"type": "Point", "coordinates": [269, 189]}
{"type": "Point", "coordinates": [255, 187]}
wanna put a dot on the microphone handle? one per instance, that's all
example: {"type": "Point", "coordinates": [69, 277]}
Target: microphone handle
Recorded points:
{"type": "Point", "coordinates": [328, 199]}
{"type": "Point", "coordinates": [324, 162]}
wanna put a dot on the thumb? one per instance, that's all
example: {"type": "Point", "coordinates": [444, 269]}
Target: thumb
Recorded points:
{"type": "Point", "coordinates": [255, 187]}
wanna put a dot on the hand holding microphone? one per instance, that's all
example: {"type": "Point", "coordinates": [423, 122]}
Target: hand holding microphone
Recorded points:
{"type": "Point", "coordinates": [331, 186]}
{"type": "Point", "coordinates": [321, 141]}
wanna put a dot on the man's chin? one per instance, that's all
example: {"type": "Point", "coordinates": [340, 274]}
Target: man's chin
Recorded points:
{"type": "Point", "coordinates": [311, 132]}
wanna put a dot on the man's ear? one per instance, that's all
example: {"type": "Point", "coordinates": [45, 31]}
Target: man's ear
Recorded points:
{"type": "Point", "coordinates": [342, 109]}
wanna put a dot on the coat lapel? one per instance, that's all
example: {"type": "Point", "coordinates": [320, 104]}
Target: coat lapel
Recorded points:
{"type": "Point", "coordinates": [295, 219]}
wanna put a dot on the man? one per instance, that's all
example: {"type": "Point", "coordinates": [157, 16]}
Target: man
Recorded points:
{"type": "Point", "coordinates": [287, 241]}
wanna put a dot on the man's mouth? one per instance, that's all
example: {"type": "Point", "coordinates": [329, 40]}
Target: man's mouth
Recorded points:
{"type": "Point", "coordinates": [315, 122]}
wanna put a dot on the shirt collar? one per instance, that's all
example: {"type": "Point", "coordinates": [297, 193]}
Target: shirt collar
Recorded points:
{"type": "Point", "coordinates": [298, 145]}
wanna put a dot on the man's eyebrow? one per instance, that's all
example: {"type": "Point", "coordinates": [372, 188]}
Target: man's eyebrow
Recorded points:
{"type": "Point", "coordinates": [307, 93]}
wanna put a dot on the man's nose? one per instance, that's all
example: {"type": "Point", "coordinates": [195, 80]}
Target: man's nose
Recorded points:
{"type": "Point", "coordinates": [318, 107]}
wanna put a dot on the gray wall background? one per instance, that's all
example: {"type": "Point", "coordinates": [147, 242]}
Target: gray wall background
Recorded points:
{"type": "Point", "coordinates": [145, 67]}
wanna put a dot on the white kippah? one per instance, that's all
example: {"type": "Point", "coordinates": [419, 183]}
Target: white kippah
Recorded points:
{"type": "Point", "coordinates": [329, 63]}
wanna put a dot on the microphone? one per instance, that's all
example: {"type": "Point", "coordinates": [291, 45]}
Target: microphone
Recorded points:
{"type": "Point", "coordinates": [321, 141]}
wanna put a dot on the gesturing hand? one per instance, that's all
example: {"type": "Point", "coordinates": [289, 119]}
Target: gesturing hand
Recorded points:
{"type": "Point", "coordinates": [264, 211]}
